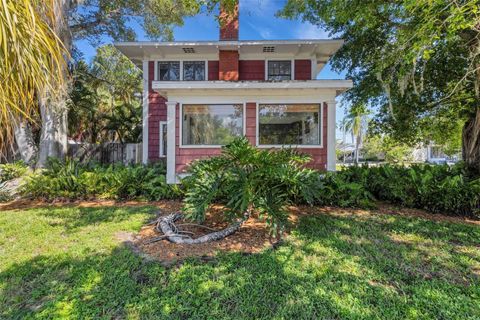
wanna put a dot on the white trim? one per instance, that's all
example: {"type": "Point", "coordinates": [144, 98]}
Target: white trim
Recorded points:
{"type": "Point", "coordinates": [145, 114]}
{"type": "Point", "coordinates": [225, 43]}
{"type": "Point", "coordinates": [331, 136]}
{"type": "Point", "coordinates": [296, 146]}
{"type": "Point", "coordinates": [171, 161]}
{"type": "Point", "coordinates": [207, 146]}
{"type": "Point", "coordinates": [181, 61]}
{"type": "Point", "coordinates": [292, 67]}
{"type": "Point", "coordinates": [247, 85]}
{"type": "Point", "coordinates": [160, 138]}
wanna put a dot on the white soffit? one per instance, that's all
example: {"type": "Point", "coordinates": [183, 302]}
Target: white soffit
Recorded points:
{"type": "Point", "coordinates": [320, 49]}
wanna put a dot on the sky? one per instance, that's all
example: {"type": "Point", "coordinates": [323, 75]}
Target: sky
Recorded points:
{"type": "Point", "coordinates": [257, 22]}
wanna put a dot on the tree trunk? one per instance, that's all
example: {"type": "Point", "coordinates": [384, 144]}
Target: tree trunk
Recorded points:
{"type": "Point", "coordinates": [471, 142]}
{"type": "Point", "coordinates": [25, 142]}
{"type": "Point", "coordinates": [54, 111]}
{"type": "Point", "coordinates": [53, 139]}
{"type": "Point", "coordinates": [357, 144]}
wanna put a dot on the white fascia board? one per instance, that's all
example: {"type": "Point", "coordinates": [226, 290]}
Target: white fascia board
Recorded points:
{"type": "Point", "coordinates": [226, 43]}
{"type": "Point", "coordinates": [166, 86]}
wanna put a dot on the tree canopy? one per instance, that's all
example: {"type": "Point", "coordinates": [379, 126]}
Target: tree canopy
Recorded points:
{"type": "Point", "coordinates": [414, 61]}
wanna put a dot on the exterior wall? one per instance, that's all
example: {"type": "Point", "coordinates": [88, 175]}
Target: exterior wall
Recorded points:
{"type": "Point", "coordinates": [212, 70]}
{"type": "Point", "coordinates": [157, 111]}
{"type": "Point", "coordinates": [184, 156]}
{"type": "Point", "coordinates": [251, 70]}
{"type": "Point", "coordinates": [303, 70]}
{"type": "Point", "coordinates": [228, 65]}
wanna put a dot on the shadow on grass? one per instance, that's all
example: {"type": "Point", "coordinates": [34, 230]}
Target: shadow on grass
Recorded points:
{"type": "Point", "coordinates": [333, 267]}
{"type": "Point", "coordinates": [78, 217]}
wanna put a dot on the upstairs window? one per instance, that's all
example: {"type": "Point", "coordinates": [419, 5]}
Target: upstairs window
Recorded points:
{"type": "Point", "coordinates": [280, 70]}
{"type": "Point", "coordinates": [194, 70]}
{"type": "Point", "coordinates": [168, 71]}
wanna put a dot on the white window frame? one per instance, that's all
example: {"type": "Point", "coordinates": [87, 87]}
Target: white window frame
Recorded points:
{"type": "Point", "coordinates": [205, 146]}
{"type": "Point", "coordinates": [181, 61]}
{"type": "Point", "coordinates": [160, 139]}
{"type": "Point", "coordinates": [292, 68]}
{"type": "Point", "coordinates": [299, 146]}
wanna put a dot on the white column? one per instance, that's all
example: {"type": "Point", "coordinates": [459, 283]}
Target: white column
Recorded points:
{"type": "Point", "coordinates": [145, 113]}
{"type": "Point", "coordinates": [331, 136]}
{"type": "Point", "coordinates": [171, 117]}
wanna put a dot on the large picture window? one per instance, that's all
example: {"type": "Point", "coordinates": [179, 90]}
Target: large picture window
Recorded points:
{"type": "Point", "coordinates": [289, 124]}
{"type": "Point", "coordinates": [194, 70]}
{"type": "Point", "coordinates": [280, 70]}
{"type": "Point", "coordinates": [211, 124]}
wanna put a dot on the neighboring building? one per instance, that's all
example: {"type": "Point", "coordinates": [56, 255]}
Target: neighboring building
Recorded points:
{"type": "Point", "coordinates": [199, 95]}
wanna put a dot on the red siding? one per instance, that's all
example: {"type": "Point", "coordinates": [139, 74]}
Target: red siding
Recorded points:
{"type": "Point", "coordinates": [251, 69]}
{"type": "Point", "coordinates": [157, 111]}
{"type": "Point", "coordinates": [251, 122]}
{"type": "Point", "coordinates": [212, 70]}
{"type": "Point", "coordinates": [303, 70]}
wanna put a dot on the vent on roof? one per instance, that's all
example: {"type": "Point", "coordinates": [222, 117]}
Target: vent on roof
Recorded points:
{"type": "Point", "coordinates": [188, 50]}
{"type": "Point", "coordinates": [268, 49]}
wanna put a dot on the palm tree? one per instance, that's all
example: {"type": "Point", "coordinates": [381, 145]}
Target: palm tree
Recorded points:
{"type": "Point", "coordinates": [32, 59]}
{"type": "Point", "coordinates": [356, 121]}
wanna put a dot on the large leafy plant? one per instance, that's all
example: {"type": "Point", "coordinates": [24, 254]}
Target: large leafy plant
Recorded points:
{"type": "Point", "coordinates": [248, 180]}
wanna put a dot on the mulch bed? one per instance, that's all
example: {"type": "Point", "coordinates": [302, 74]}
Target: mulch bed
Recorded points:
{"type": "Point", "coordinates": [252, 237]}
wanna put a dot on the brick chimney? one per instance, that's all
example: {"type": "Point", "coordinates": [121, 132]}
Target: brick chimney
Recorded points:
{"type": "Point", "coordinates": [228, 20]}
{"type": "Point", "coordinates": [228, 59]}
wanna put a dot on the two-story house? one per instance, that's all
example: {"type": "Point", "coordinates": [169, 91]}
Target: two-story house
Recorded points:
{"type": "Point", "coordinates": [200, 95]}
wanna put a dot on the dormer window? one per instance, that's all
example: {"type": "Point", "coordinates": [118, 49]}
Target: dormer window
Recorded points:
{"type": "Point", "coordinates": [279, 70]}
{"type": "Point", "coordinates": [169, 71]}
{"type": "Point", "coordinates": [194, 70]}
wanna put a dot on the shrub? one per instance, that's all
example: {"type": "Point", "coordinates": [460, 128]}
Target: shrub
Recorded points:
{"type": "Point", "coordinates": [436, 188]}
{"type": "Point", "coordinates": [9, 171]}
{"type": "Point", "coordinates": [245, 178]}
{"type": "Point", "coordinates": [74, 181]}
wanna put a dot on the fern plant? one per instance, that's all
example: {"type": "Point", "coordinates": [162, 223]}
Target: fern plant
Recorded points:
{"type": "Point", "coordinates": [247, 179]}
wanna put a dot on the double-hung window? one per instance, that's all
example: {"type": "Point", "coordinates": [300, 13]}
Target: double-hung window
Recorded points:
{"type": "Point", "coordinates": [194, 70]}
{"type": "Point", "coordinates": [289, 124]}
{"type": "Point", "coordinates": [211, 124]}
{"type": "Point", "coordinates": [280, 70]}
{"type": "Point", "coordinates": [168, 70]}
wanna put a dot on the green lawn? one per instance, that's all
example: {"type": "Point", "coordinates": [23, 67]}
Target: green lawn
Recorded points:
{"type": "Point", "coordinates": [67, 263]}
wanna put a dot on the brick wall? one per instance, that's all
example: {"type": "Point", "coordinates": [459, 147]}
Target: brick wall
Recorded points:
{"type": "Point", "coordinates": [157, 111]}
{"type": "Point", "coordinates": [303, 69]}
{"type": "Point", "coordinates": [228, 65]}
{"type": "Point", "coordinates": [251, 70]}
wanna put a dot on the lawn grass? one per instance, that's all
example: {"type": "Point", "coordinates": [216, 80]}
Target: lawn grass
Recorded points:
{"type": "Point", "coordinates": [67, 263]}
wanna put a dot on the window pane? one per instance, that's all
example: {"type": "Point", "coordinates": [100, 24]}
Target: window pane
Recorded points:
{"type": "Point", "coordinates": [169, 71]}
{"type": "Point", "coordinates": [294, 124]}
{"type": "Point", "coordinates": [194, 70]}
{"type": "Point", "coordinates": [279, 70]}
{"type": "Point", "coordinates": [211, 124]}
